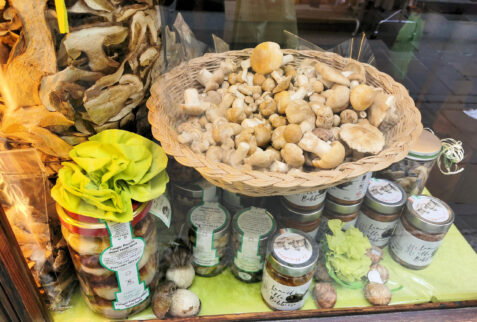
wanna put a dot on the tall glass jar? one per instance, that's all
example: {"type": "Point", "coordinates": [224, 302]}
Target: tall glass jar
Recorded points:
{"type": "Point", "coordinates": [306, 201]}
{"type": "Point", "coordinates": [308, 221]}
{"type": "Point", "coordinates": [252, 229]}
{"type": "Point", "coordinates": [412, 172]}
{"type": "Point", "coordinates": [346, 213]}
{"type": "Point", "coordinates": [289, 269]}
{"type": "Point", "coordinates": [381, 210]}
{"type": "Point", "coordinates": [420, 231]}
{"type": "Point", "coordinates": [351, 192]}
{"type": "Point", "coordinates": [107, 256]}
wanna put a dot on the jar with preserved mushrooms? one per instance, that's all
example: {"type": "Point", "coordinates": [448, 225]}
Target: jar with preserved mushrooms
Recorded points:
{"type": "Point", "coordinates": [289, 268]}
{"type": "Point", "coordinates": [420, 231]}
{"type": "Point", "coordinates": [252, 228]}
{"type": "Point", "coordinates": [116, 263]}
{"type": "Point", "coordinates": [307, 201]}
{"type": "Point", "coordinates": [306, 221]}
{"type": "Point", "coordinates": [346, 213]}
{"type": "Point", "coordinates": [209, 235]}
{"type": "Point", "coordinates": [235, 202]}
{"type": "Point", "coordinates": [412, 172]}
{"type": "Point", "coordinates": [380, 212]}
{"type": "Point", "coordinates": [351, 192]}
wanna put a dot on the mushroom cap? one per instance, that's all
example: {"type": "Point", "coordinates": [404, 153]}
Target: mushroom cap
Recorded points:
{"type": "Point", "coordinates": [357, 71]}
{"type": "Point", "coordinates": [337, 98]}
{"type": "Point", "coordinates": [282, 99]}
{"type": "Point", "coordinates": [184, 303]}
{"type": "Point", "coordinates": [332, 158]}
{"type": "Point", "coordinates": [361, 97]}
{"type": "Point", "coordinates": [362, 137]}
{"type": "Point", "coordinates": [293, 155]}
{"type": "Point", "coordinates": [379, 108]}
{"type": "Point", "coordinates": [330, 74]}
{"type": "Point", "coordinates": [266, 57]}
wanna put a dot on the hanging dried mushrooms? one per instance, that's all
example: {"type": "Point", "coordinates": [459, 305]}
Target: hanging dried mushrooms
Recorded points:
{"type": "Point", "coordinates": [272, 113]}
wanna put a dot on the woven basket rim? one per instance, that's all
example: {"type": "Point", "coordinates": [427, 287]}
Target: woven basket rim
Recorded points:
{"type": "Point", "coordinates": [264, 183]}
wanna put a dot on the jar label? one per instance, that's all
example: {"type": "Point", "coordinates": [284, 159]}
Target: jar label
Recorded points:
{"type": "Point", "coordinates": [292, 248]}
{"type": "Point", "coordinates": [122, 258]}
{"type": "Point", "coordinates": [207, 219]}
{"type": "Point", "coordinates": [351, 190]}
{"type": "Point", "coordinates": [430, 209]}
{"type": "Point", "coordinates": [253, 224]}
{"type": "Point", "coordinates": [307, 199]}
{"type": "Point", "coordinates": [161, 208]}
{"type": "Point", "coordinates": [378, 232]}
{"type": "Point", "coordinates": [209, 191]}
{"type": "Point", "coordinates": [232, 199]}
{"type": "Point", "coordinates": [283, 297]}
{"type": "Point", "coordinates": [385, 191]}
{"type": "Point", "coordinates": [412, 250]}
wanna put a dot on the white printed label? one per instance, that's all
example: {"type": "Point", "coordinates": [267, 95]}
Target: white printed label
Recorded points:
{"type": "Point", "coordinates": [430, 209]}
{"type": "Point", "coordinates": [292, 248]}
{"type": "Point", "coordinates": [253, 223]}
{"type": "Point", "coordinates": [308, 199]}
{"type": "Point", "coordinates": [161, 208]}
{"type": "Point", "coordinates": [283, 297]}
{"type": "Point", "coordinates": [351, 190]}
{"type": "Point", "coordinates": [122, 258]}
{"type": "Point", "coordinates": [378, 232]}
{"type": "Point", "coordinates": [411, 249]}
{"type": "Point", "coordinates": [209, 191]}
{"type": "Point", "coordinates": [385, 191]}
{"type": "Point", "coordinates": [207, 219]}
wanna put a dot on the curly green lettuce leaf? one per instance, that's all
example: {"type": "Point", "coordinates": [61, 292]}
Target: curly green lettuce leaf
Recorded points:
{"type": "Point", "coordinates": [346, 258]}
{"type": "Point", "coordinates": [111, 169]}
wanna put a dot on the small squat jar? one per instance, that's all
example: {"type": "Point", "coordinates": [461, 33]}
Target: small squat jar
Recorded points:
{"type": "Point", "coordinates": [346, 213]}
{"type": "Point", "coordinates": [307, 201]}
{"type": "Point", "coordinates": [209, 236]}
{"type": "Point", "coordinates": [420, 231]}
{"type": "Point", "coordinates": [350, 192]}
{"type": "Point", "coordinates": [381, 210]}
{"type": "Point", "coordinates": [306, 221]}
{"type": "Point", "coordinates": [412, 172]}
{"type": "Point", "coordinates": [289, 269]}
{"type": "Point", "coordinates": [235, 202]}
{"type": "Point", "coordinates": [252, 229]}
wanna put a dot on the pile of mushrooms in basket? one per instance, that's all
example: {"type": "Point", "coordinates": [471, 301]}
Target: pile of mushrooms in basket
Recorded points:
{"type": "Point", "coordinates": [266, 114]}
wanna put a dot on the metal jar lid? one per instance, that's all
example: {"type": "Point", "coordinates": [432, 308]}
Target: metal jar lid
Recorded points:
{"type": "Point", "coordinates": [342, 209]}
{"type": "Point", "coordinates": [300, 216]}
{"type": "Point", "coordinates": [384, 196]}
{"type": "Point", "coordinates": [210, 217]}
{"type": "Point", "coordinates": [201, 189]}
{"type": "Point", "coordinates": [254, 222]}
{"type": "Point", "coordinates": [429, 214]}
{"type": "Point", "coordinates": [427, 147]}
{"type": "Point", "coordinates": [292, 253]}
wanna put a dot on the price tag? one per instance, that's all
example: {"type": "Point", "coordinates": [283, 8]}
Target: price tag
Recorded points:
{"type": "Point", "coordinates": [161, 208]}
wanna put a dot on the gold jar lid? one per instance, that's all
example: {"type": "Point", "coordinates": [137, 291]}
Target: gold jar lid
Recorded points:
{"type": "Point", "coordinates": [427, 147]}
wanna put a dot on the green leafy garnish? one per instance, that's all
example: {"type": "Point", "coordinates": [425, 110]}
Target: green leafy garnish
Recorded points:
{"type": "Point", "coordinates": [111, 169]}
{"type": "Point", "coordinates": [345, 255]}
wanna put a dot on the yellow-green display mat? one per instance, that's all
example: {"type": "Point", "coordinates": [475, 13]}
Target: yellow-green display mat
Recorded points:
{"type": "Point", "coordinates": [450, 277]}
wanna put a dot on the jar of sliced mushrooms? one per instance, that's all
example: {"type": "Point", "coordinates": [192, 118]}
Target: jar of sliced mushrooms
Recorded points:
{"type": "Point", "coordinates": [312, 200]}
{"type": "Point", "coordinates": [381, 210]}
{"type": "Point", "coordinates": [252, 229]}
{"type": "Point", "coordinates": [351, 192]}
{"type": "Point", "coordinates": [289, 269]}
{"type": "Point", "coordinates": [308, 221]}
{"type": "Point", "coordinates": [346, 213]}
{"type": "Point", "coordinates": [235, 202]}
{"type": "Point", "coordinates": [209, 235]}
{"type": "Point", "coordinates": [104, 276]}
{"type": "Point", "coordinates": [412, 172]}
{"type": "Point", "coordinates": [420, 231]}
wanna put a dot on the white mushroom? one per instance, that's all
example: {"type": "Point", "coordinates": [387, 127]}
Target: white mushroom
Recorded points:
{"type": "Point", "coordinates": [192, 104]}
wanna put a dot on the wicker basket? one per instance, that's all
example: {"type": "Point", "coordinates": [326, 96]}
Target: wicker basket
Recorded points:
{"type": "Point", "coordinates": [168, 91]}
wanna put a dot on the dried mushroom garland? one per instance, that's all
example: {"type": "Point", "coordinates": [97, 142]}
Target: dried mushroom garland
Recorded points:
{"type": "Point", "coordinates": [264, 113]}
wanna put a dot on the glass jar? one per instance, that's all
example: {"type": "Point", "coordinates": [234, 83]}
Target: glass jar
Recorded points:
{"type": "Point", "coordinates": [350, 192]}
{"type": "Point", "coordinates": [381, 210]}
{"type": "Point", "coordinates": [107, 254]}
{"type": "Point", "coordinates": [252, 228]}
{"type": "Point", "coordinates": [209, 236]}
{"type": "Point", "coordinates": [306, 221]}
{"type": "Point", "coordinates": [420, 231]}
{"type": "Point", "coordinates": [307, 201]}
{"type": "Point", "coordinates": [289, 268]}
{"type": "Point", "coordinates": [346, 213]}
{"type": "Point", "coordinates": [412, 172]}
{"type": "Point", "coordinates": [235, 202]}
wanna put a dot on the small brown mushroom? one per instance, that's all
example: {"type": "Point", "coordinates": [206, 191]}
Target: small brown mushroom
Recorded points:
{"type": "Point", "coordinates": [298, 111]}
{"type": "Point", "coordinates": [356, 71]}
{"type": "Point", "coordinates": [268, 84]}
{"type": "Point", "coordinates": [266, 57]}
{"type": "Point", "coordinates": [268, 107]}
{"type": "Point", "coordinates": [379, 109]}
{"type": "Point", "coordinates": [331, 74]}
{"type": "Point", "coordinates": [324, 134]}
{"type": "Point", "coordinates": [276, 153]}
{"type": "Point", "coordinates": [263, 134]}
{"type": "Point", "coordinates": [282, 99]}
{"type": "Point", "coordinates": [331, 155]}
{"type": "Point", "coordinates": [260, 159]}
{"type": "Point", "coordinates": [258, 79]}
{"type": "Point", "coordinates": [292, 133]}
{"type": "Point", "coordinates": [192, 104]}
{"type": "Point", "coordinates": [362, 96]}
{"type": "Point", "coordinates": [363, 138]}
{"type": "Point", "coordinates": [277, 120]}
{"type": "Point", "coordinates": [321, 274]}
{"type": "Point", "coordinates": [324, 116]}
{"type": "Point", "coordinates": [292, 155]}
{"type": "Point", "coordinates": [337, 98]}
{"type": "Point", "coordinates": [325, 295]}
{"type": "Point", "coordinates": [348, 116]}
{"type": "Point", "coordinates": [377, 294]}
{"type": "Point", "coordinates": [375, 253]}
{"type": "Point", "coordinates": [278, 140]}
{"type": "Point", "coordinates": [246, 135]}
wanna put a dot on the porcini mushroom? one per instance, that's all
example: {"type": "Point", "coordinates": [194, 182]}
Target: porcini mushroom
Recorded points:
{"type": "Point", "coordinates": [293, 155]}
{"type": "Point", "coordinates": [331, 74]}
{"type": "Point", "coordinates": [355, 71]}
{"type": "Point", "coordinates": [266, 57]}
{"type": "Point", "coordinates": [337, 98]}
{"type": "Point", "coordinates": [331, 155]}
{"type": "Point", "coordinates": [363, 138]}
{"type": "Point", "coordinates": [348, 116]}
{"type": "Point", "coordinates": [362, 96]}
{"type": "Point", "coordinates": [192, 104]}
{"type": "Point", "coordinates": [377, 112]}
{"type": "Point", "coordinates": [282, 99]}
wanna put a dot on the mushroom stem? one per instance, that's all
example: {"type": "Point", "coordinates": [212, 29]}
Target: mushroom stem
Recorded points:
{"type": "Point", "coordinates": [312, 143]}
